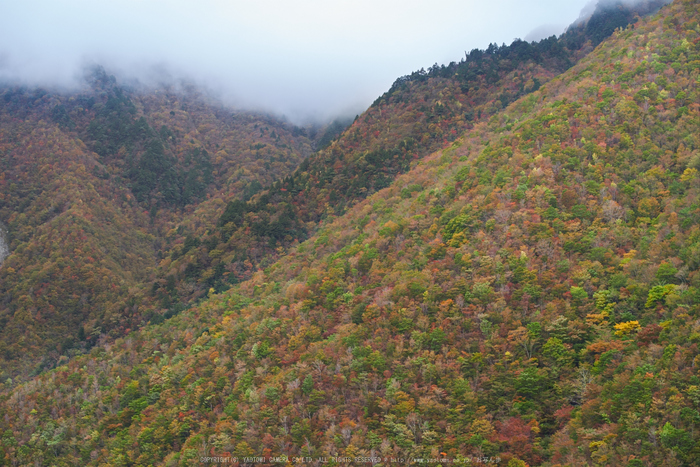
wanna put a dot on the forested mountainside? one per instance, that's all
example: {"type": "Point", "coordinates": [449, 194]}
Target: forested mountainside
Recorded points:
{"type": "Point", "coordinates": [90, 184]}
{"type": "Point", "coordinates": [421, 113]}
{"type": "Point", "coordinates": [528, 292]}
{"type": "Point", "coordinates": [172, 174]}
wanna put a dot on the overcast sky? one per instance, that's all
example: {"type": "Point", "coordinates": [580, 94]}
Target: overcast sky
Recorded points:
{"type": "Point", "coordinates": [299, 58]}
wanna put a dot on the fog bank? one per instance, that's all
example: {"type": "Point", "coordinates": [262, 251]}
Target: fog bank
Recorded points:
{"type": "Point", "coordinates": [306, 59]}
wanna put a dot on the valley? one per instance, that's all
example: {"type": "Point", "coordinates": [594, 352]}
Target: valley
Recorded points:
{"type": "Point", "coordinates": [499, 258]}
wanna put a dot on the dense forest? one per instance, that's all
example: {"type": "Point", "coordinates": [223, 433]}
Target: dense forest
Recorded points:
{"type": "Point", "coordinates": [421, 113]}
{"type": "Point", "coordinates": [94, 185]}
{"type": "Point", "coordinates": [497, 261]}
{"type": "Point", "coordinates": [205, 196]}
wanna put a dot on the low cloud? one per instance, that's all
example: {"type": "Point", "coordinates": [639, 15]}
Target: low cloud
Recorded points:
{"type": "Point", "coordinates": [645, 6]}
{"type": "Point", "coordinates": [544, 31]}
{"type": "Point", "coordinates": [307, 59]}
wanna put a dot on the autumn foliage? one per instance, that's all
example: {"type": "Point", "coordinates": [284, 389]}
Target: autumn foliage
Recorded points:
{"type": "Point", "coordinates": [527, 290]}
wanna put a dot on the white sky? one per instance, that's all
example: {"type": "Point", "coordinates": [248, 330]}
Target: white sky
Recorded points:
{"type": "Point", "coordinates": [301, 58]}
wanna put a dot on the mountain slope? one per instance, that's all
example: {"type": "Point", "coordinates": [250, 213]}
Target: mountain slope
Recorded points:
{"type": "Point", "coordinates": [91, 182]}
{"type": "Point", "coordinates": [530, 293]}
{"type": "Point", "coordinates": [176, 160]}
{"type": "Point", "coordinates": [421, 113]}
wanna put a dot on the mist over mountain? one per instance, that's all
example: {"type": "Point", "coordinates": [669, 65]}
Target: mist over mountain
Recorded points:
{"type": "Point", "coordinates": [498, 261]}
{"type": "Point", "coordinates": [307, 60]}
{"type": "Point", "coordinates": [641, 7]}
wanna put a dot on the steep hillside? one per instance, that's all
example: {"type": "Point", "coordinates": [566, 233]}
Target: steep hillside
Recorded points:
{"type": "Point", "coordinates": [73, 248]}
{"type": "Point", "coordinates": [421, 113]}
{"type": "Point", "coordinates": [180, 159]}
{"type": "Point", "coordinates": [528, 293]}
{"type": "Point", "coordinates": [90, 184]}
